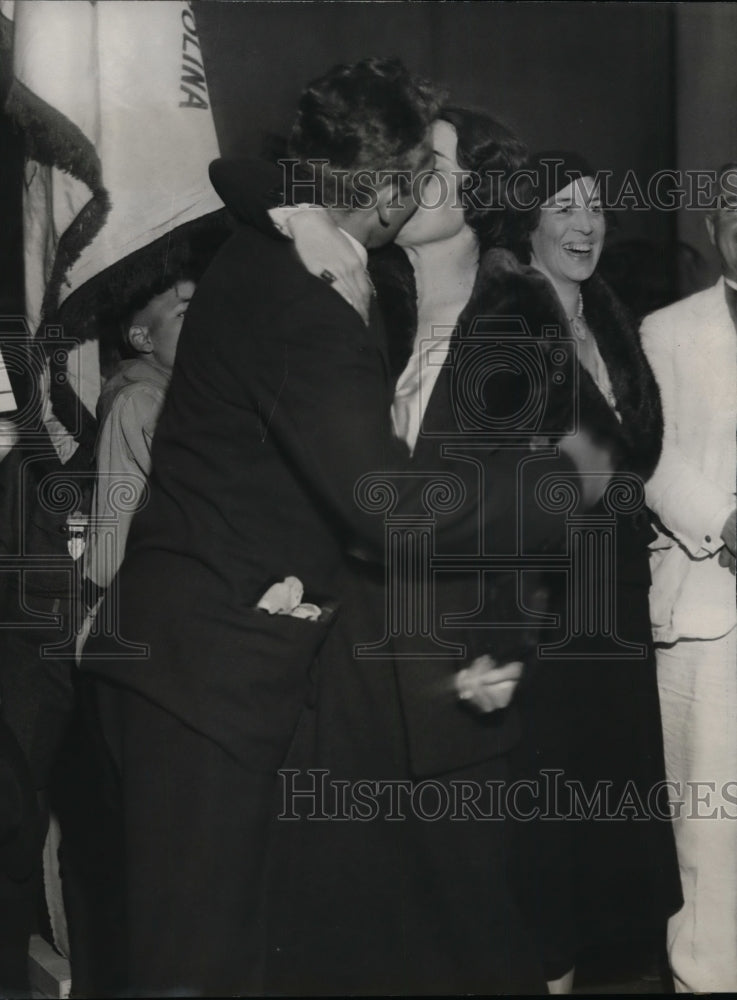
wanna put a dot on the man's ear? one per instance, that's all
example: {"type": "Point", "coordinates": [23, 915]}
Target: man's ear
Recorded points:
{"type": "Point", "coordinates": [385, 199]}
{"type": "Point", "coordinates": [140, 339]}
{"type": "Point", "coordinates": [392, 199]}
{"type": "Point", "coordinates": [710, 230]}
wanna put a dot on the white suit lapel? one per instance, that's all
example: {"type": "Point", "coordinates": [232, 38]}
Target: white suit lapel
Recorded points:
{"type": "Point", "coordinates": [716, 348]}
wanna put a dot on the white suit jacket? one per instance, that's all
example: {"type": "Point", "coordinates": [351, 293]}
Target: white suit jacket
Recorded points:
{"type": "Point", "coordinates": [692, 347]}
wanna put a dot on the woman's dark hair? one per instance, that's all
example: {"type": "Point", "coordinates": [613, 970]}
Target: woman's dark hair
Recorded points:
{"type": "Point", "coordinates": [492, 153]}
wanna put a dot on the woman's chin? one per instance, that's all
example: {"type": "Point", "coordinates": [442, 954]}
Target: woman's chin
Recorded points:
{"type": "Point", "coordinates": [419, 231]}
{"type": "Point", "coordinates": [580, 271]}
{"type": "Point", "coordinates": [407, 239]}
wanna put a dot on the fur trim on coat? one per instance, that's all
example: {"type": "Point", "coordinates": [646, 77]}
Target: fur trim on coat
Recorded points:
{"type": "Point", "coordinates": [507, 290]}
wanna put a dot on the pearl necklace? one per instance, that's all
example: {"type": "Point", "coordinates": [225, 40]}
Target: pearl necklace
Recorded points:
{"type": "Point", "coordinates": [590, 358]}
{"type": "Point", "coordinates": [577, 322]}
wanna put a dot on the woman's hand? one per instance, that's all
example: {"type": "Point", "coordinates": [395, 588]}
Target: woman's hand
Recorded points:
{"type": "Point", "coordinates": [485, 686]}
{"type": "Point", "coordinates": [323, 248]}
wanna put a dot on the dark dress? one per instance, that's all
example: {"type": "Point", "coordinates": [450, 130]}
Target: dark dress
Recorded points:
{"type": "Point", "coordinates": [415, 904]}
{"type": "Point", "coordinates": [608, 871]}
{"type": "Point", "coordinates": [590, 710]}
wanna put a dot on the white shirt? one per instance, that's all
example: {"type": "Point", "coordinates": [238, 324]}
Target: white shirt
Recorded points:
{"type": "Point", "coordinates": [281, 215]}
{"type": "Point", "coordinates": [417, 381]}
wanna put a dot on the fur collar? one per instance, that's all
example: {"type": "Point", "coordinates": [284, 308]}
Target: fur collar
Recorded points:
{"type": "Point", "coordinates": [504, 287]}
{"type": "Point", "coordinates": [632, 379]}
{"type": "Point", "coordinates": [396, 293]}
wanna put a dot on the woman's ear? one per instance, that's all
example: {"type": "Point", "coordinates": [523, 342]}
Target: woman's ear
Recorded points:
{"type": "Point", "coordinates": [140, 339]}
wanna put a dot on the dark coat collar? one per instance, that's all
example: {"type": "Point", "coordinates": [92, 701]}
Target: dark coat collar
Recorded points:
{"type": "Point", "coordinates": [632, 379]}
{"type": "Point", "coordinates": [396, 294]}
{"type": "Point", "coordinates": [506, 288]}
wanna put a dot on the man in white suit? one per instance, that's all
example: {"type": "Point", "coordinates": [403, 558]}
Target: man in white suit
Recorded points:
{"type": "Point", "coordinates": [692, 346]}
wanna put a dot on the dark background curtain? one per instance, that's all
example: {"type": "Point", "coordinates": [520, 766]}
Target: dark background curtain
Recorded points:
{"type": "Point", "coordinates": [705, 61]}
{"type": "Point", "coordinates": [639, 87]}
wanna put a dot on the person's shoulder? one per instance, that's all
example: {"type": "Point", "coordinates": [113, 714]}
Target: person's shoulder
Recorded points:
{"type": "Point", "coordinates": [684, 309]}
{"type": "Point", "coordinates": [257, 295]}
{"type": "Point", "coordinates": [500, 262]}
{"type": "Point", "coordinates": [289, 294]}
{"type": "Point", "coordinates": [136, 374]}
{"type": "Point", "coordinates": [500, 267]}
{"type": "Point", "coordinates": [511, 288]}
{"type": "Point", "coordinates": [246, 260]}
{"type": "Point", "coordinates": [246, 186]}
{"type": "Point", "coordinates": [240, 297]}
{"type": "Point", "coordinates": [257, 270]}
{"type": "Point", "coordinates": [250, 251]}
{"type": "Point", "coordinates": [134, 403]}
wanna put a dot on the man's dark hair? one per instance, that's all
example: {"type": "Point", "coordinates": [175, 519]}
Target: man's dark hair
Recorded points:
{"type": "Point", "coordinates": [368, 116]}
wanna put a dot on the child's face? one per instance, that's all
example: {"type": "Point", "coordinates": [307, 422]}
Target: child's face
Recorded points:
{"type": "Point", "coordinates": [163, 317]}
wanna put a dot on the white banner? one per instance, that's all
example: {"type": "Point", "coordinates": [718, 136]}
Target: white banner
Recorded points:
{"type": "Point", "coordinates": [115, 106]}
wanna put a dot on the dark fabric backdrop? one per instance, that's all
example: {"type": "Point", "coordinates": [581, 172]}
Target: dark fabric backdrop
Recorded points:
{"type": "Point", "coordinates": [593, 77]}
{"type": "Point", "coordinates": [644, 86]}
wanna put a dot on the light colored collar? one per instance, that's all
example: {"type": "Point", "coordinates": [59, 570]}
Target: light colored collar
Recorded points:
{"type": "Point", "coordinates": [358, 247]}
{"type": "Point", "coordinates": [727, 281]}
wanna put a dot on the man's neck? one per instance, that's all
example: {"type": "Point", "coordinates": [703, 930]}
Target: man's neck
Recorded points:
{"type": "Point", "coordinates": [352, 223]}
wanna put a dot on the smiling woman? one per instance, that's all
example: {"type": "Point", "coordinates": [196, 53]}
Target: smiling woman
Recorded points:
{"type": "Point", "coordinates": [598, 880]}
{"type": "Point", "coordinates": [567, 236]}
{"type": "Point", "coordinates": [568, 241]}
